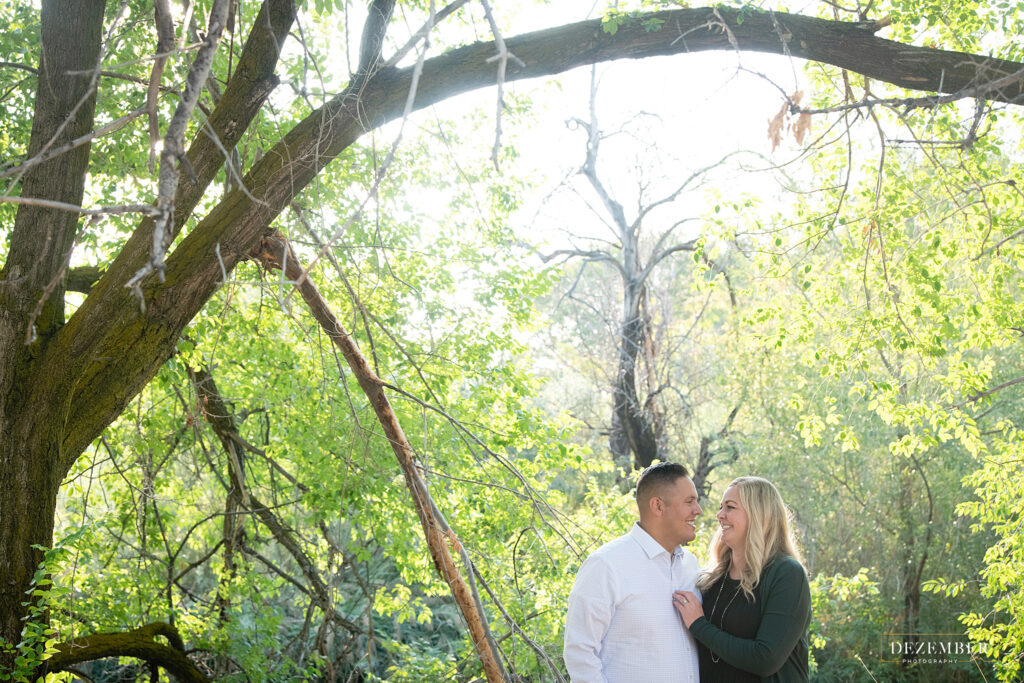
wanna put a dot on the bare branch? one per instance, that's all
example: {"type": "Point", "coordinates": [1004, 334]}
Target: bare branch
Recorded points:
{"type": "Point", "coordinates": [502, 58]}
{"type": "Point", "coordinates": [908, 103]}
{"type": "Point", "coordinates": [164, 45]}
{"type": "Point", "coordinates": [77, 142]}
{"type": "Point", "coordinates": [988, 392]}
{"type": "Point", "coordinates": [144, 209]}
{"type": "Point", "coordinates": [424, 31]}
{"type": "Point", "coordinates": [174, 147]}
{"type": "Point", "coordinates": [591, 255]}
{"type": "Point", "coordinates": [517, 629]}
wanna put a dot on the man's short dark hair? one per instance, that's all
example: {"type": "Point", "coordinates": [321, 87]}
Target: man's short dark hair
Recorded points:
{"type": "Point", "coordinates": [658, 475]}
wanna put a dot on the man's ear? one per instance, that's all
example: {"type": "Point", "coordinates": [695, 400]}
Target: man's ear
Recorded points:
{"type": "Point", "coordinates": [655, 506]}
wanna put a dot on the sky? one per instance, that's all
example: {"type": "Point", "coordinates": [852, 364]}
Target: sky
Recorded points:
{"type": "Point", "coordinates": [694, 108]}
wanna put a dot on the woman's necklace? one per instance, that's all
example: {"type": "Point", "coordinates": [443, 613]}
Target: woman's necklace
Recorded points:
{"type": "Point", "coordinates": [721, 618]}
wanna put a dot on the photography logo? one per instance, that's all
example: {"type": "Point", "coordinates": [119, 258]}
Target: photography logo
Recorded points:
{"type": "Point", "coordinates": [928, 648]}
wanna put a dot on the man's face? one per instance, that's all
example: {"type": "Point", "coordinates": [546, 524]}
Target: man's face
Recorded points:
{"type": "Point", "coordinates": [680, 511]}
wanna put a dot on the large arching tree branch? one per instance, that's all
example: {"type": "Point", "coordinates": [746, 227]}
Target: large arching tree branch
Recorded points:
{"type": "Point", "coordinates": [198, 266]}
{"type": "Point", "coordinates": [251, 82]}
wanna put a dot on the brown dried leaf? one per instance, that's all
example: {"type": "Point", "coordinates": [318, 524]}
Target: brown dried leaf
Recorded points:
{"type": "Point", "coordinates": [777, 125]}
{"type": "Point", "coordinates": [801, 127]}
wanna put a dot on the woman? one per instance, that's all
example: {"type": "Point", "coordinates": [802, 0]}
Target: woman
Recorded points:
{"type": "Point", "coordinates": [760, 602]}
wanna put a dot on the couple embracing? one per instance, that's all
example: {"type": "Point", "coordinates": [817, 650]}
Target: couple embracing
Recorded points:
{"type": "Point", "coordinates": [636, 613]}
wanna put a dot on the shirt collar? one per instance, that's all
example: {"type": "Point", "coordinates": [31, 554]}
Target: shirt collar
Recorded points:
{"type": "Point", "coordinates": [651, 547]}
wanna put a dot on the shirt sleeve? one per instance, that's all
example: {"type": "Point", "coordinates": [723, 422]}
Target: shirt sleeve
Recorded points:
{"type": "Point", "coordinates": [784, 620]}
{"type": "Point", "coordinates": [591, 605]}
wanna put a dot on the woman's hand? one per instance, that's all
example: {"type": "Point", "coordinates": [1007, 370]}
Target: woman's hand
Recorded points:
{"type": "Point", "coordinates": [688, 606]}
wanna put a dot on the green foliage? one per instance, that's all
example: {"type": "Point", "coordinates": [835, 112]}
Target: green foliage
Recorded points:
{"type": "Point", "coordinates": [848, 621]}
{"type": "Point", "coordinates": [870, 348]}
{"type": "Point", "coordinates": [999, 509]}
{"type": "Point", "coordinates": [617, 14]}
{"type": "Point", "coordinates": [38, 636]}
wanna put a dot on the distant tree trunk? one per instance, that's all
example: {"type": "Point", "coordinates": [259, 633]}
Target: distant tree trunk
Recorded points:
{"type": "Point", "coordinates": [633, 429]}
{"type": "Point", "coordinates": [34, 394]}
{"type": "Point", "coordinates": [632, 438]}
{"type": "Point", "coordinates": [711, 456]}
{"type": "Point", "coordinates": [914, 547]}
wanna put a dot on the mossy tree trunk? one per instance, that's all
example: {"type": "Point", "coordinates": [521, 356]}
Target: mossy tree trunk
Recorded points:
{"type": "Point", "coordinates": [35, 391]}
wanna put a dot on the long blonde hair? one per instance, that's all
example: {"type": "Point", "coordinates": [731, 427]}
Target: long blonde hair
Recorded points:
{"type": "Point", "coordinates": [769, 533]}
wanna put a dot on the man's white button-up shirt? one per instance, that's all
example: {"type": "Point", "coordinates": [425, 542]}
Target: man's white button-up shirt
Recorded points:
{"type": "Point", "coordinates": [621, 626]}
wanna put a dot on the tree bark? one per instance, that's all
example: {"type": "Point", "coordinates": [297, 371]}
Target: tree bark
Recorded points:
{"type": "Point", "coordinates": [33, 394]}
{"type": "Point", "coordinates": [628, 414]}
{"type": "Point", "coordinates": [37, 380]}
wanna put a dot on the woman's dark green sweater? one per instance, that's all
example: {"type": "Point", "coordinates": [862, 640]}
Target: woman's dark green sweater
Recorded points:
{"type": "Point", "coordinates": [779, 651]}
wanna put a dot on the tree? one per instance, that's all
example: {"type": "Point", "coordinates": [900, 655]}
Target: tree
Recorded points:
{"type": "Point", "coordinates": [640, 244]}
{"type": "Point", "coordinates": [64, 379]}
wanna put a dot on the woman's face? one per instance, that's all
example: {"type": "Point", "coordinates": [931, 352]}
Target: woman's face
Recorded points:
{"type": "Point", "coordinates": [733, 519]}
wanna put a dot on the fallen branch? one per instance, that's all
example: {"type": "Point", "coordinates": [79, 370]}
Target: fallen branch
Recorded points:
{"type": "Point", "coordinates": [222, 422]}
{"type": "Point", "coordinates": [174, 145]}
{"type": "Point", "coordinates": [140, 643]}
{"type": "Point", "coordinates": [274, 252]}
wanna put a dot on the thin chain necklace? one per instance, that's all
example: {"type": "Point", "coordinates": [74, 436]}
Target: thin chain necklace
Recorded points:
{"type": "Point", "coordinates": [721, 618]}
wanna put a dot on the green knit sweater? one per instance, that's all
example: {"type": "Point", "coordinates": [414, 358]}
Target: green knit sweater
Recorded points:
{"type": "Point", "coordinates": [779, 651]}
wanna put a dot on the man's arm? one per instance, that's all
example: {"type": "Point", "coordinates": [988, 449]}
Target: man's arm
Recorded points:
{"type": "Point", "coordinates": [591, 606]}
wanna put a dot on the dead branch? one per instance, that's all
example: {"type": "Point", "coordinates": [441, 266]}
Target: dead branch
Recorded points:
{"type": "Point", "coordinates": [502, 58]}
{"type": "Point", "coordinates": [77, 142]}
{"type": "Point", "coordinates": [274, 252]}
{"type": "Point", "coordinates": [174, 147]}
{"type": "Point", "coordinates": [424, 31]}
{"type": "Point", "coordinates": [144, 209]}
{"type": "Point", "coordinates": [164, 45]}
{"type": "Point", "coordinates": [220, 418]}
{"type": "Point", "coordinates": [929, 101]}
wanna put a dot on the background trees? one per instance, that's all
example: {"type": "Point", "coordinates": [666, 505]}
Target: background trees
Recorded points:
{"type": "Point", "coordinates": [637, 233]}
{"type": "Point", "coordinates": [210, 464]}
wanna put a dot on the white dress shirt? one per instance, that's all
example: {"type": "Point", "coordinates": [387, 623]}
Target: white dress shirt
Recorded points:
{"type": "Point", "coordinates": [621, 626]}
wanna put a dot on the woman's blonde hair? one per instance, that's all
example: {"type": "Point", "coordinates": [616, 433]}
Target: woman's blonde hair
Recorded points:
{"type": "Point", "coordinates": [769, 532]}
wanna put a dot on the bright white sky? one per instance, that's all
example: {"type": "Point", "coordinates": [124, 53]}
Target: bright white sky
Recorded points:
{"type": "Point", "coordinates": [705, 107]}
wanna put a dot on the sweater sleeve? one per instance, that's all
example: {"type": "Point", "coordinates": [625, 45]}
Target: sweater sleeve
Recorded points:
{"type": "Point", "coordinates": [784, 620]}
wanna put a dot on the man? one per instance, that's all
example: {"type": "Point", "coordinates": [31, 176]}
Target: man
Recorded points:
{"type": "Point", "coordinates": [621, 626]}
